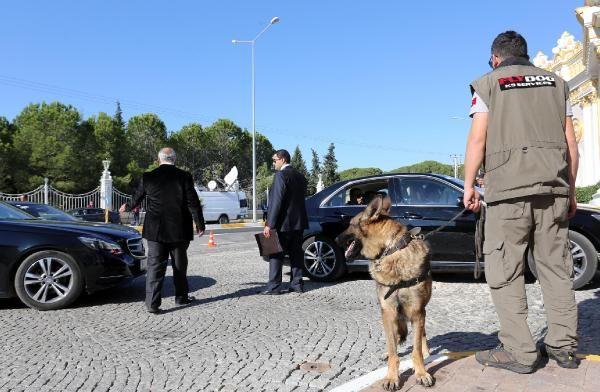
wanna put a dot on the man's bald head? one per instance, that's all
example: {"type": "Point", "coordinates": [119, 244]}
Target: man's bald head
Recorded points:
{"type": "Point", "coordinates": [167, 155]}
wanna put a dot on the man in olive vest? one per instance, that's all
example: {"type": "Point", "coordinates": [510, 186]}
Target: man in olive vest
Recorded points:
{"type": "Point", "coordinates": [522, 131]}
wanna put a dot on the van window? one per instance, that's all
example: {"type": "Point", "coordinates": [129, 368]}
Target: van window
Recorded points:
{"type": "Point", "coordinates": [243, 203]}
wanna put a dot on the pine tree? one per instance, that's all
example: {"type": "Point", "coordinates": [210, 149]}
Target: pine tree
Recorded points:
{"type": "Point", "coordinates": [118, 118]}
{"type": "Point", "coordinates": [298, 163]}
{"type": "Point", "coordinates": [330, 174]}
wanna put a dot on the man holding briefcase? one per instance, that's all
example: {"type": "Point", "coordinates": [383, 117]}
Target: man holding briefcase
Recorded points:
{"type": "Point", "coordinates": [287, 215]}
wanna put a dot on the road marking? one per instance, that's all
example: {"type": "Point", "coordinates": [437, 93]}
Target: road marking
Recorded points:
{"type": "Point", "coordinates": [369, 379]}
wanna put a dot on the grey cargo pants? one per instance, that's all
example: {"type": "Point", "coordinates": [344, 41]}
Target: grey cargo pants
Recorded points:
{"type": "Point", "coordinates": [511, 227]}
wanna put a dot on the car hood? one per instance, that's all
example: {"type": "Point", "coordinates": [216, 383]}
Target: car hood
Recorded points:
{"type": "Point", "coordinates": [108, 229]}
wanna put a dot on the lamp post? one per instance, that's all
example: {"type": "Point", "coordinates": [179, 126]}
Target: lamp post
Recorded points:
{"type": "Point", "coordinates": [252, 43]}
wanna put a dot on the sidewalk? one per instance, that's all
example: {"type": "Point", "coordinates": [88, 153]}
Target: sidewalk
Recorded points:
{"type": "Point", "coordinates": [454, 372]}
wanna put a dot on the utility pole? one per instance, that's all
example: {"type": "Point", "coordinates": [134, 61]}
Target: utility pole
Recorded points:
{"type": "Point", "coordinates": [456, 158]}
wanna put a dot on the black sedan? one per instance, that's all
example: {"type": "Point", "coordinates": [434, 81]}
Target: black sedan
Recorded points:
{"type": "Point", "coordinates": [44, 211]}
{"type": "Point", "coordinates": [48, 264]}
{"type": "Point", "coordinates": [427, 201]}
{"type": "Point", "coordinates": [95, 215]}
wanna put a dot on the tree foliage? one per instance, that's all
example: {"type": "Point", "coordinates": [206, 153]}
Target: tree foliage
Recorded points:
{"type": "Point", "coordinates": [146, 134]}
{"type": "Point", "coordinates": [6, 155]}
{"type": "Point", "coordinates": [426, 167]}
{"type": "Point", "coordinates": [297, 161]}
{"type": "Point", "coordinates": [357, 172]}
{"type": "Point", "coordinates": [53, 143]}
{"type": "Point", "coordinates": [330, 166]}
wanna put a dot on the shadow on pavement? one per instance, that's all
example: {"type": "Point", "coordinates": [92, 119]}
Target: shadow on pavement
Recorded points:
{"type": "Point", "coordinates": [135, 291]}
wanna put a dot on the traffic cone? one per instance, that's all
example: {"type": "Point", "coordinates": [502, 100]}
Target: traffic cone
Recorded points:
{"type": "Point", "coordinates": [211, 240]}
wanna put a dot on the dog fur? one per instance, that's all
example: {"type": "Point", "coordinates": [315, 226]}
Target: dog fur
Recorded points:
{"type": "Point", "coordinates": [376, 230]}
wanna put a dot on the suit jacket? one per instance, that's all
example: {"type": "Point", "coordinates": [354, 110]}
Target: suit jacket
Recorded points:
{"type": "Point", "coordinates": [287, 211]}
{"type": "Point", "coordinates": [172, 204]}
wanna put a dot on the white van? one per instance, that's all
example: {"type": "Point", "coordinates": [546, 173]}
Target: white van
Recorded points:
{"type": "Point", "coordinates": [223, 206]}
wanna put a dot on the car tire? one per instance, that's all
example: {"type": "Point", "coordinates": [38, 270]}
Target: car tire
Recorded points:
{"type": "Point", "coordinates": [322, 259]}
{"type": "Point", "coordinates": [56, 290]}
{"type": "Point", "coordinates": [585, 260]}
{"type": "Point", "coordinates": [223, 219]}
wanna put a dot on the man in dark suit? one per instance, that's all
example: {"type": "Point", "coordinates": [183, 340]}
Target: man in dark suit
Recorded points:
{"type": "Point", "coordinates": [287, 214]}
{"type": "Point", "coordinates": [172, 204]}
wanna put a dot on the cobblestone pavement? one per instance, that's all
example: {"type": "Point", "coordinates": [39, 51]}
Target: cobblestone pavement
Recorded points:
{"type": "Point", "coordinates": [234, 340]}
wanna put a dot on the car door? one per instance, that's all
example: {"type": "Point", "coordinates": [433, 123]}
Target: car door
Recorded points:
{"type": "Point", "coordinates": [429, 202]}
{"type": "Point", "coordinates": [352, 198]}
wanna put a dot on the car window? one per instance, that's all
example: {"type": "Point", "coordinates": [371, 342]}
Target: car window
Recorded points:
{"type": "Point", "coordinates": [11, 213]}
{"type": "Point", "coordinates": [359, 193]}
{"type": "Point", "coordinates": [423, 191]}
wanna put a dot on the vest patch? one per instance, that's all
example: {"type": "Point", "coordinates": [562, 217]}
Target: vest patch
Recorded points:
{"type": "Point", "coordinates": [526, 81]}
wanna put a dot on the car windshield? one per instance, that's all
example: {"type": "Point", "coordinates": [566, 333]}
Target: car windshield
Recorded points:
{"type": "Point", "coordinates": [45, 212]}
{"type": "Point", "coordinates": [13, 213]}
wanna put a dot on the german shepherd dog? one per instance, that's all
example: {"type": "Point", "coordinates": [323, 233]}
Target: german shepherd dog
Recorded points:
{"type": "Point", "coordinates": [375, 232]}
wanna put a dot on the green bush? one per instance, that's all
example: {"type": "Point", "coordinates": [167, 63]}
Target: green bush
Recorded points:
{"type": "Point", "coordinates": [585, 193]}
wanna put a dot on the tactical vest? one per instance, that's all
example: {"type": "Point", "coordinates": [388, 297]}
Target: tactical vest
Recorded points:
{"type": "Point", "coordinates": [525, 148]}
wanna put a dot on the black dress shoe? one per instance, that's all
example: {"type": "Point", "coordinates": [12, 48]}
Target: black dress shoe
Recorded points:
{"type": "Point", "coordinates": [298, 290]}
{"type": "Point", "coordinates": [184, 300]}
{"type": "Point", "coordinates": [154, 310]}
{"type": "Point", "coordinates": [269, 292]}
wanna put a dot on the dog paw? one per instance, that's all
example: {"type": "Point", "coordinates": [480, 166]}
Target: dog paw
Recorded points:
{"type": "Point", "coordinates": [391, 384]}
{"type": "Point", "coordinates": [425, 379]}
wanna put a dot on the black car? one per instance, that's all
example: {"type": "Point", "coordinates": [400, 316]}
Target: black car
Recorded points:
{"type": "Point", "coordinates": [95, 215]}
{"type": "Point", "coordinates": [427, 201]}
{"type": "Point", "coordinates": [44, 211]}
{"type": "Point", "coordinates": [48, 264]}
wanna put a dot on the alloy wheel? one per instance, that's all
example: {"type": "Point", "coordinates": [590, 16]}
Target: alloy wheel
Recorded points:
{"type": "Point", "coordinates": [48, 280]}
{"type": "Point", "coordinates": [319, 259]}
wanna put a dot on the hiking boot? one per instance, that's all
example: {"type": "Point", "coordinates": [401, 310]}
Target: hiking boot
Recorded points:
{"type": "Point", "coordinates": [563, 358]}
{"type": "Point", "coordinates": [500, 358]}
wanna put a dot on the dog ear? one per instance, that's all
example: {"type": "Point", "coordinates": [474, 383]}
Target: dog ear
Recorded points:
{"type": "Point", "coordinates": [376, 208]}
{"type": "Point", "coordinates": [386, 206]}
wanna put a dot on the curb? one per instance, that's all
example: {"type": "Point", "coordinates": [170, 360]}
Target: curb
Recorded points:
{"type": "Point", "coordinates": [369, 379]}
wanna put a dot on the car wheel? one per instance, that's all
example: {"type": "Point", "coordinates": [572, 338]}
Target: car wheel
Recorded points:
{"type": "Point", "coordinates": [223, 219]}
{"type": "Point", "coordinates": [322, 260]}
{"type": "Point", "coordinates": [48, 280]}
{"type": "Point", "coordinates": [585, 260]}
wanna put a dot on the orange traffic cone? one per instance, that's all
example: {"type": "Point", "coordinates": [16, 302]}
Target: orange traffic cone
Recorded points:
{"type": "Point", "coordinates": [211, 240]}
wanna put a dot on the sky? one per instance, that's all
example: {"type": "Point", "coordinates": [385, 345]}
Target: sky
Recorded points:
{"type": "Point", "coordinates": [386, 81]}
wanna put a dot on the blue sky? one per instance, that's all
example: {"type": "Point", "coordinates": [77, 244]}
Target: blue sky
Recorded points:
{"type": "Point", "coordinates": [381, 79]}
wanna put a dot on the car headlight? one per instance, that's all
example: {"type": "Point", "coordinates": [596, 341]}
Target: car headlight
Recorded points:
{"type": "Point", "coordinates": [100, 244]}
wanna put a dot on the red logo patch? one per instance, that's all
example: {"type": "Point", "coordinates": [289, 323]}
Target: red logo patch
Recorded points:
{"type": "Point", "coordinates": [473, 101]}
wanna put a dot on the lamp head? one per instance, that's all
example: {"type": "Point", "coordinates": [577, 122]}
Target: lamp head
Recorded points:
{"type": "Point", "coordinates": [275, 20]}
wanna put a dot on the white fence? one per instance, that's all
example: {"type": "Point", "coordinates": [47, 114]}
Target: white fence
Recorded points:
{"type": "Point", "coordinates": [47, 194]}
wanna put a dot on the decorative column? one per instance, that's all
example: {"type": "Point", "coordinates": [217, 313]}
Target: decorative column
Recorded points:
{"type": "Point", "coordinates": [106, 187]}
{"type": "Point", "coordinates": [46, 190]}
{"type": "Point", "coordinates": [320, 184]}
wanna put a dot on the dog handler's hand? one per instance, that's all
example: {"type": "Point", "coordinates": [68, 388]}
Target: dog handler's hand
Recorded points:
{"type": "Point", "coordinates": [267, 231]}
{"type": "Point", "coordinates": [200, 233]}
{"type": "Point", "coordinates": [471, 199]}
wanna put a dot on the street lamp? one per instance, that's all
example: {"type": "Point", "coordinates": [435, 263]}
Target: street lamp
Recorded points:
{"type": "Point", "coordinates": [252, 43]}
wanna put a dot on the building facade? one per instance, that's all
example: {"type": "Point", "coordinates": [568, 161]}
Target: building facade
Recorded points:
{"type": "Point", "coordinates": [579, 64]}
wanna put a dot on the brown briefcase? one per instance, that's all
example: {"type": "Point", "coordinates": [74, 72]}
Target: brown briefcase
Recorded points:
{"type": "Point", "coordinates": [268, 246]}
